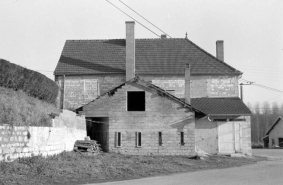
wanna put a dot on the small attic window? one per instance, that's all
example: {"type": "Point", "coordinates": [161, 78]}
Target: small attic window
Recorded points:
{"type": "Point", "coordinates": [136, 101]}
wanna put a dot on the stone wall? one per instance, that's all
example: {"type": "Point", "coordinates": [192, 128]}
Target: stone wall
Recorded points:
{"type": "Point", "coordinates": [19, 141]}
{"type": "Point", "coordinates": [161, 115]}
{"type": "Point", "coordinates": [79, 90]}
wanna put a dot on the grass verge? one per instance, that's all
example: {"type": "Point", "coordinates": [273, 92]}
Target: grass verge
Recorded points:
{"type": "Point", "coordinates": [75, 168]}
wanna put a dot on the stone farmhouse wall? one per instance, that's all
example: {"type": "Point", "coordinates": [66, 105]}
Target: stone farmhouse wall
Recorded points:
{"type": "Point", "coordinates": [20, 141]}
{"type": "Point", "coordinates": [79, 90]}
{"type": "Point", "coordinates": [161, 115]}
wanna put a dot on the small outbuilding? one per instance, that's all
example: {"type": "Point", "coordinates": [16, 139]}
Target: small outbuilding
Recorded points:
{"type": "Point", "coordinates": [274, 135]}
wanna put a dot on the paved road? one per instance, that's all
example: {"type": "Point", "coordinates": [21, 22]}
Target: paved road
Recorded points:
{"type": "Point", "coordinates": [266, 172]}
{"type": "Point", "coordinates": [269, 152]}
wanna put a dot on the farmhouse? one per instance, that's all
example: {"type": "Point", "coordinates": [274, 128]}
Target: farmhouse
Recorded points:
{"type": "Point", "coordinates": [139, 99]}
{"type": "Point", "coordinates": [274, 135]}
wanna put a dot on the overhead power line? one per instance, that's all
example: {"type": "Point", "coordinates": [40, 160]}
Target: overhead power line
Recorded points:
{"type": "Point", "coordinates": [134, 19]}
{"type": "Point", "coordinates": [144, 18]}
{"type": "Point", "coordinates": [263, 86]}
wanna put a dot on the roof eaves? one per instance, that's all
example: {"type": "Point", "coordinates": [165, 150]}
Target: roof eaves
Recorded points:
{"type": "Point", "coordinates": [68, 73]}
{"type": "Point", "coordinates": [245, 114]}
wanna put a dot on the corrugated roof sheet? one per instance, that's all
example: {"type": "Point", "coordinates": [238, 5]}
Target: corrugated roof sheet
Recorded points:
{"type": "Point", "coordinates": [153, 56]}
{"type": "Point", "coordinates": [221, 106]}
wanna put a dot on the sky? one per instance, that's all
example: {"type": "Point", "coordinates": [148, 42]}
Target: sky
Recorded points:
{"type": "Point", "coordinates": [33, 32]}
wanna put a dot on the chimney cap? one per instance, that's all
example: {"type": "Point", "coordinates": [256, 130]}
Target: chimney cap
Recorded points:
{"type": "Point", "coordinates": [130, 22]}
{"type": "Point", "coordinates": [219, 41]}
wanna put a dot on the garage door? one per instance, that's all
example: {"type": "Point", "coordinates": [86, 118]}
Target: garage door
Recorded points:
{"type": "Point", "coordinates": [229, 137]}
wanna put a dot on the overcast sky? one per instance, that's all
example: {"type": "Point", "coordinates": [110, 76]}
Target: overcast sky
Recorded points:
{"type": "Point", "coordinates": [33, 32]}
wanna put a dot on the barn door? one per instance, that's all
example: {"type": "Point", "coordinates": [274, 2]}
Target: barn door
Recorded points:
{"type": "Point", "coordinates": [225, 137]}
{"type": "Point", "coordinates": [229, 137]}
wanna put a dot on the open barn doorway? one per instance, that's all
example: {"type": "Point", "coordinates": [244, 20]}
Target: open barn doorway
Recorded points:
{"type": "Point", "coordinates": [98, 129]}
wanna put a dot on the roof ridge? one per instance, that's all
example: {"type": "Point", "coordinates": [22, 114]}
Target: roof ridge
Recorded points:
{"type": "Point", "coordinates": [123, 39]}
{"type": "Point", "coordinates": [213, 56]}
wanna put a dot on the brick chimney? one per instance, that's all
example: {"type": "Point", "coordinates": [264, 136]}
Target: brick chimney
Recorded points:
{"type": "Point", "coordinates": [187, 84]}
{"type": "Point", "coordinates": [220, 50]}
{"type": "Point", "coordinates": [130, 50]}
{"type": "Point", "coordinates": [163, 36]}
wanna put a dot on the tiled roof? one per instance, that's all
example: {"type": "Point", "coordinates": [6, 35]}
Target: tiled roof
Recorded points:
{"type": "Point", "coordinates": [221, 106]}
{"type": "Point", "coordinates": [153, 56]}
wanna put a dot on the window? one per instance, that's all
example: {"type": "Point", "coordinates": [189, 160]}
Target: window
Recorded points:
{"type": "Point", "coordinates": [182, 139]}
{"type": "Point", "coordinates": [160, 138]}
{"type": "Point", "coordinates": [220, 119]}
{"type": "Point", "coordinates": [171, 92]}
{"type": "Point", "coordinates": [237, 119]}
{"type": "Point", "coordinates": [138, 139]}
{"type": "Point", "coordinates": [136, 101]}
{"type": "Point", "coordinates": [118, 139]}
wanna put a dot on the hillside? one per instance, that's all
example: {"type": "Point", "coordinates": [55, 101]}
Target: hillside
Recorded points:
{"type": "Point", "coordinates": [17, 108]}
{"type": "Point", "coordinates": [34, 84]}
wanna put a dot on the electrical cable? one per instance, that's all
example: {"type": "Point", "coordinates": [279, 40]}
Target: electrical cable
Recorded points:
{"type": "Point", "coordinates": [144, 18]}
{"type": "Point", "coordinates": [134, 19]}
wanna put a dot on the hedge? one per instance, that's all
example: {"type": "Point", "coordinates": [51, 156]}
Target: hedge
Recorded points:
{"type": "Point", "coordinates": [31, 82]}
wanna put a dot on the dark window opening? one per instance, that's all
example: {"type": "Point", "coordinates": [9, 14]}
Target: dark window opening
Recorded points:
{"type": "Point", "coordinates": [220, 119]}
{"type": "Point", "coordinates": [118, 139]}
{"type": "Point", "coordinates": [138, 138]}
{"type": "Point", "coordinates": [160, 138]}
{"type": "Point", "coordinates": [171, 92]}
{"type": "Point", "coordinates": [238, 119]}
{"type": "Point", "coordinates": [136, 101]}
{"type": "Point", "coordinates": [182, 139]}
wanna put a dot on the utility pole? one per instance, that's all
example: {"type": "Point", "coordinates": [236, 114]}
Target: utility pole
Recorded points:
{"type": "Point", "coordinates": [241, 89]}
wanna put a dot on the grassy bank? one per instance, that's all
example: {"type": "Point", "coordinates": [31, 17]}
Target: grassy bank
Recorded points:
{"type": "Point", "coordinates": [16, 108]}
{"type": "Point", "coordinates": [75, 168]}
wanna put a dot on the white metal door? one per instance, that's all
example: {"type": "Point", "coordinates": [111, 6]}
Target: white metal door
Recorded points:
{"type": "Point", "coordinates": [226, 137]}
{"type": "Point", "coordinates": [229, 137]}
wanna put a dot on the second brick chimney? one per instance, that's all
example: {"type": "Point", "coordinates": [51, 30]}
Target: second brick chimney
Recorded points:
{"type": "Point", "coordinates": [220, 50]}
{"type": "Point", "coordinates": [130, 50]}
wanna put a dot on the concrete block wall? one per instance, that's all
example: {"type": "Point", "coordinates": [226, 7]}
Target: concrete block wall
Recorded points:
{"type": "Point", "coordinates": [19, 141]}
{"type": "Point", "coordinates": [207, 135]}
{"type": "Point", "coordinates": [246, 136]}
{"type": "Point", "coordinates": [76, 91]}
{"type": "Point", "coordinates": [161, 115]}
{"type": "Point", "coordinates": [79, 90]}
{"type": "Point", "coordinates": [201, 86]}
{"type": "Point", "coordinates": [100, 108]}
